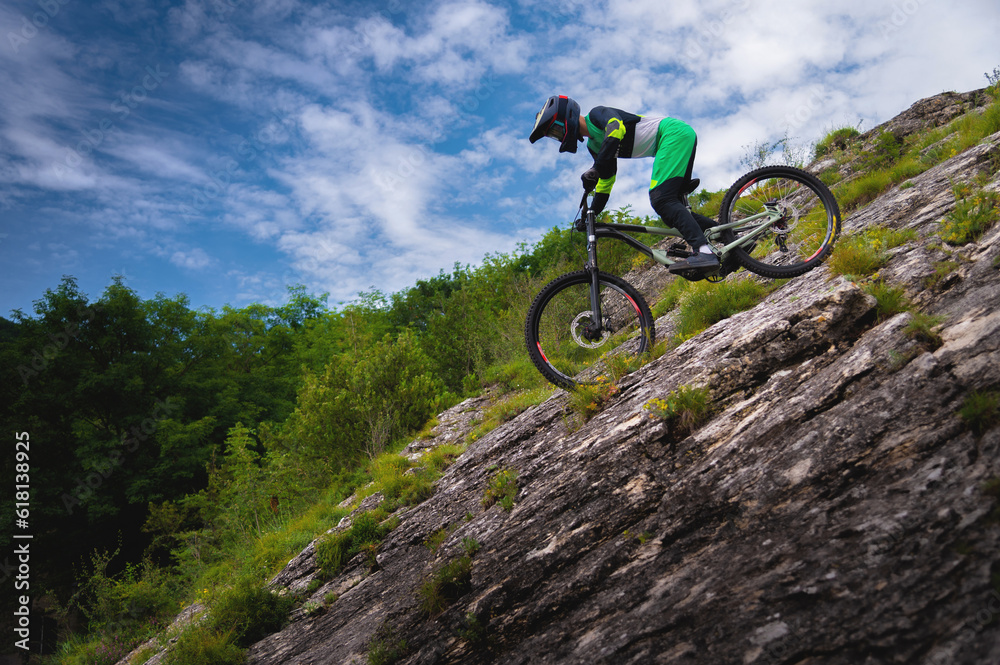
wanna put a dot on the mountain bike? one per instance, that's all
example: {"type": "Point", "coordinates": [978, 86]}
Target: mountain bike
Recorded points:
{"type": "Point", "coordinates": [776, 221]}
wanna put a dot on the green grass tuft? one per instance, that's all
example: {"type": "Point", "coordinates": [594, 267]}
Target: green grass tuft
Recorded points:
{"type": "Point", "coordinates": [889, 300]}
{"type": "Point", "coordinates": [687, 406]}
{"type": "Point", "coordinates": [981, 411]}
{"type": "Point", "coordinates": [385, 647]}
{"type": "Point", "coordinates": [975, 213]}
{"type": "Point", "coordinates": [201, 645]}
{"type": "Point", "coordinates": [921, 328]}
{"type": "Point", "coordinates": [501, 488]}
{"type": "Point", "coordinates": [445, 586]}
{"type": "Point", "coordinates": [705, 304]}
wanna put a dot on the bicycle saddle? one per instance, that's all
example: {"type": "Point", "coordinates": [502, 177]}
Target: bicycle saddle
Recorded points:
{"type": "Point", "coordinates": [692, 185]}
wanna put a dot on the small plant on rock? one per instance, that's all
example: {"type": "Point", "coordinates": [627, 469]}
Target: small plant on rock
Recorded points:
{"type": "Point", "coordinates": [587, 399]}
{"type": "Point", "coordinates": [385, 647]}
{"type": "Point", "coordinates": [446, 585]}
{"type": "Point", "coordinates": [981, 411]}
{"type": "Point", "coordinates": [975, 212]}
{"type": "Point", "coordinates": [889, 300]}
{"type": "Point", "coordinates": [687, 407]}
{"type": "Point", "coordinates": [921, 328]}
{"type": "Point", "coordinates": [502, 488]}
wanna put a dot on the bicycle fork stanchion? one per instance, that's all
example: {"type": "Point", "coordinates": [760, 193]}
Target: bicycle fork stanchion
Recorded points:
{"type": "Point", "coordinates": [594, 330]}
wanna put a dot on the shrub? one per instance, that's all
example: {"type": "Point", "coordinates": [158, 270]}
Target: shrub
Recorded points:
{"type": "Point", "coordinates": [360, 405]}
{"type": "Point", "coordinates": [365, 535]}
{"type": "Point", "coordinates": [587, 399]}
{"type": "Point", "coordinates": [882, 152]}
{"type": "Point", "coordinates": [121, 611]}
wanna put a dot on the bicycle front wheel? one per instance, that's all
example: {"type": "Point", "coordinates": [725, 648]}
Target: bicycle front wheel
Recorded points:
{"type": "Point", "coordinates": [804, 235]}
{"type": "Point", "coordinates": [559, 324]}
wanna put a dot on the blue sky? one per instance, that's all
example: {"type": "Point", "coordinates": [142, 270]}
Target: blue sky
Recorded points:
{"type": "Point", "coordinates": [227, 148]}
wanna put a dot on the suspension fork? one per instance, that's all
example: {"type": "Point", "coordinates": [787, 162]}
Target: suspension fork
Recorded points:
{"type": "Point", "coordinates": [596, 322]}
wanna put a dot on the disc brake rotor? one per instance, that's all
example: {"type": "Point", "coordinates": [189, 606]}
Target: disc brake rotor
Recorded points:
{"type": "Point", "coordinates": [578, 327]}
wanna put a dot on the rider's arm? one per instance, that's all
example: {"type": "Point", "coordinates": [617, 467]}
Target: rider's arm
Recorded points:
{"type": "Point", "coordinates": [609, 122]}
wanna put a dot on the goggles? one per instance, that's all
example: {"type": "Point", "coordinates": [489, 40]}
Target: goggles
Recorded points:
{"type": "Point", "coordinates": [557, 130]}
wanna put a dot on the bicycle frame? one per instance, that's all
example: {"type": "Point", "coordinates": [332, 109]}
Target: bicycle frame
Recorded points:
{"type": "Point", "coordinates": [763, 220]}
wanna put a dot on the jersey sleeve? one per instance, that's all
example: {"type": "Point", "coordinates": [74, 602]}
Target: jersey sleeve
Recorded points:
{"type": "Point", "coordinates": [611, 124]}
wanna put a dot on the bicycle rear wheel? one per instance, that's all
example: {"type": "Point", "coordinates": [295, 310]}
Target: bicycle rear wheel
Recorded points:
{"type": "Point", "coordinates": [804, 235]}
{"type": "Point", "coordinates": [556, 328]}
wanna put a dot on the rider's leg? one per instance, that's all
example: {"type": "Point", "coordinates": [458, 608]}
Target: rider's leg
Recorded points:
{"type": "Point", "coordinates": [672, 166]}
{"type": "Point", "coordinates": [666, 200]}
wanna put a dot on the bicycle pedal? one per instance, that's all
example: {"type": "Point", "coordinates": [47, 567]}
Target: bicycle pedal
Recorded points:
{"type": "Point", "coordinates": [680, 250]}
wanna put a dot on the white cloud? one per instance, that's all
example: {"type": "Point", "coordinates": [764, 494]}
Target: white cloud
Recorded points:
{"type": "Point", "coordinates": [193, 259]}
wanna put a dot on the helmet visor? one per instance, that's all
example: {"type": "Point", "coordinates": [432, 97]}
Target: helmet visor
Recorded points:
{"type": "Point", "coordinates": [557, 130]}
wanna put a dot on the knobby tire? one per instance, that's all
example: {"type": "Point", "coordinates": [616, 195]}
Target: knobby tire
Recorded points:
{"type": "Point", "coordinates": [556, 319]}
{"type": "Point", "coordinates": [810, 225]}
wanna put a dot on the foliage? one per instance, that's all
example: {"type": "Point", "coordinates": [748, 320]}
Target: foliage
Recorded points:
{"type": "Point", "coordinates": [502, 488]}
{"type": "Point", "coordinates": [385, 647]}
{"type": "Point", "coordinates": [921, 327]}
{"type": "Point", "coordinates": [365, 535]}
{"type": "Point", "coordinates": [836, 139]}
{"type": "Point", "coordinates": [361, 404]}
{"type": "Point", "coordinates": [445, 585]}
{"type": "Point", "coordinates": [122, 609]}
{"type": "Point", "coordinates": [619, 365]}
{"type": "Point", "coordinates": [941, 270]}
{"type": "Point", "coordinates": [248, 612]}
{"type": "Point", "coordinates": [981, 410]}
{"type": "Point", "coordinates": [862, 254]}
{"type": "Point", "coordinates": [203, 646]}
{"type": "Point", "coordinates": [889, 300]}
{"type": "Point", "coordinates": [707, 203]}
{"type": "Point", "coordinates": [507, 407]}
{"type": "Point", "coordinates": [883, 151]}
{"type": "Point", "coordinates": [587, 399]}
{"type": "Point", "coordinates": [688, 407]}
{"type": "Point", "coordinates": [704, 304]}
{"type": "Point", "coordinates": [975, 212]}
{"type": "Point", "coordinates": [761, 153]}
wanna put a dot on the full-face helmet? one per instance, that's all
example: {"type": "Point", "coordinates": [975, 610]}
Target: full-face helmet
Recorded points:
{"type": "Point", "coordinates": [559, 119]}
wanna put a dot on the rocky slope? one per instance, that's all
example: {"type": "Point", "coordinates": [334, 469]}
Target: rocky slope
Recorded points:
{"type": "Point", "coordinates": [834, 509]}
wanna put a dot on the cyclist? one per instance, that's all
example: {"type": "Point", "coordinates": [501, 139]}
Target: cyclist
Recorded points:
{"type": "Point", "coordinates": [612, 133]}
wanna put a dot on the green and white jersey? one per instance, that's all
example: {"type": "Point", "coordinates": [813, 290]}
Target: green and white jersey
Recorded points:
{"type": "Point", "coordinates": [616, 133]}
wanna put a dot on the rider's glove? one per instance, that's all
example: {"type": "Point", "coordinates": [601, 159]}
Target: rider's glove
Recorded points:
{"type": "Point", "coordinates": [590, 178]}
{"type": "Point", "coordinates": [597, 205]}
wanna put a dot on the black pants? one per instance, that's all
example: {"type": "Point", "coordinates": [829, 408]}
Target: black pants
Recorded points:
{"type": "Point", "coordinates": [668, 202]}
